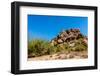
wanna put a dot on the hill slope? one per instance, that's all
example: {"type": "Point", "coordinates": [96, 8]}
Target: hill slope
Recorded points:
{"type": "Point", "coordinates": [67, 44]}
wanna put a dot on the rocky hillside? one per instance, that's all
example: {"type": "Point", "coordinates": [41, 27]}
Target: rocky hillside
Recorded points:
{"type": "Point", "coordinates": [68, 44]}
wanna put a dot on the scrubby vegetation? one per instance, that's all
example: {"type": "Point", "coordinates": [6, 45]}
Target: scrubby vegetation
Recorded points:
{"type": "Point", "coordinates": [67, 41]}
{"type": "Point", "coordinates": [40, 47]}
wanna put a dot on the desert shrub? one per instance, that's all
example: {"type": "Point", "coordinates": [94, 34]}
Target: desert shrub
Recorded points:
{"type": "Point", "coordinates": [40, 47]}
{"type": "Point", "coordinates": [37, 47]}
{"type": "Point", "coordinates": [80, 45]}
{"type": "Point", "coordinates": [80, 48]}
{"type": "Point", "coordinates": [50, 49]}
{"type": "Point", "coordinates": [59, 48]}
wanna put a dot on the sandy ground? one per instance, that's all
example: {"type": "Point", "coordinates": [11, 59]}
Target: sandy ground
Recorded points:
{"type": "Point", "coordinates": [62, 55]}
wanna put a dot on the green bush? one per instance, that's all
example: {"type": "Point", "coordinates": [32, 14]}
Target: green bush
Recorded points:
{"type": "Point", "coordinates": [39, 47]}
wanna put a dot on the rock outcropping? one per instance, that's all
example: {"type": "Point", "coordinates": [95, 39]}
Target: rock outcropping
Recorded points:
{"type": "Point", "coordinates": [68, 36]}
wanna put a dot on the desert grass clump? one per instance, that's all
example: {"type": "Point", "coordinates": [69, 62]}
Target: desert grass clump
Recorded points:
{"type": "Point", "coordinates": [38, 47]}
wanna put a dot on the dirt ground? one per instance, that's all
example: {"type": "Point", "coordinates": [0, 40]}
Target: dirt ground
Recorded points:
{"type": "Point", "coordinates": [62, 55]}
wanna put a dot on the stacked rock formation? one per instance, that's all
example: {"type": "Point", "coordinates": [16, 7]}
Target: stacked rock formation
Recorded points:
{"type": "Point", "coordinates": [67, 36]}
